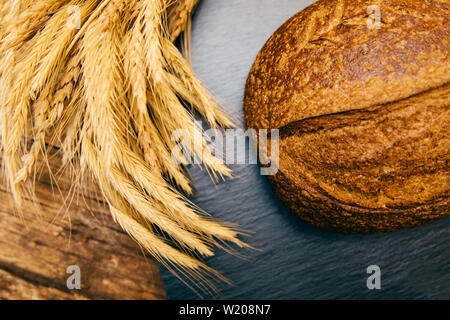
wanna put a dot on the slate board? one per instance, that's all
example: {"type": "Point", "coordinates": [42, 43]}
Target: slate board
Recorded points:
{"type": "Point", "coordinates": [296, 261]}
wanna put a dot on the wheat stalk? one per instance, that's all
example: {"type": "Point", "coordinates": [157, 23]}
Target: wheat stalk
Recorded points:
{"type": "Point", "coordinates": [179, 15]}
{"type": "Point", "coordinates": [187, 85]}
{"type": "Point", "coordinates": [111, 94]}
{"type": "Point", "coordinates": [47, 110]}
{"type": "Point", "coordinates": [32, 17]}
{"type": "Point", "coordinates": [148, 136]}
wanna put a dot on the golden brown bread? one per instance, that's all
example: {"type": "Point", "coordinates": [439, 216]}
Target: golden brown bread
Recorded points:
{"type": "Point", "coordinates": [363, 113]}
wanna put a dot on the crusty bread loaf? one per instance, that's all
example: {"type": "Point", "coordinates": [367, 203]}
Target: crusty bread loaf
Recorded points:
{"type": "Point", "coordinates": [363, 113]}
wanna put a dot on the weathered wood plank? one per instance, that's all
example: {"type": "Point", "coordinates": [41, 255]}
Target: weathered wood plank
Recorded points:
{"type": "Point", "coordinates": [36, 250]}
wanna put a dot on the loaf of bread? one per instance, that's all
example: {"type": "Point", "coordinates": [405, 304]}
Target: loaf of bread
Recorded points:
{"type": "Point", "coordinates": [363, 111]}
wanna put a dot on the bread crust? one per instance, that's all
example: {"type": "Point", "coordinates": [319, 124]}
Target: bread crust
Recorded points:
{"type": "Point", "coordinates": [364, 114]}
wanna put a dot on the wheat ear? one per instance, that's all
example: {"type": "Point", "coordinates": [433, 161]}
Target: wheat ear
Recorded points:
{"type": "Point", "coordinates": [190, 88]}
{"type": "Point", "coordinates": [169, 113]}
{"type": "Point", "coordinates": [48, 110]}
{"type": "Point", "coordinates": [112, 94]}
{"type": "Point", "coordinates": [20, 28]}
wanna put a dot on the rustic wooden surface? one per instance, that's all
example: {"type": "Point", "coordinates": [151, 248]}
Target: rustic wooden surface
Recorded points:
{"type": "Point", "coordinates": [36, 250]}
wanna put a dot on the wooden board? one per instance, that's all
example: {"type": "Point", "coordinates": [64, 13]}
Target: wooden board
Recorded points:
{"type": "Point", "coordinates": [296, 261]}
{"type": "Point", "coordinates": [37, 249]}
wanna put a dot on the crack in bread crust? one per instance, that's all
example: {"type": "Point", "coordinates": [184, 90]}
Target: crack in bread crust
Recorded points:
{"type": "Point", "coordinates": [347, 118]}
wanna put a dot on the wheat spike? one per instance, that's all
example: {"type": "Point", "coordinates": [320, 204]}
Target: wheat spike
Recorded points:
{"type": "Point", "coordinates": [48, 110]}
{"type": "Point", "coordinates": [166, 105]}
{"type": "Point", "coordinates": [190, 88]}
{"type": "Point", "coordinates": [179, 16]}
{"type": "Point", "coordinates": [24, 26]}
{"type": "Point", "coordinates": [112, 94]}
{"type": "Point", "coordinates": [148, 136]}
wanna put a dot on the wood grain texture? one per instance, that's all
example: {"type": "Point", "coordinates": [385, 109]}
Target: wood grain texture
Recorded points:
{"type": "Point", "coordinates": [37, 248]}
{"type": "Point", "coordinates": [296, 261]}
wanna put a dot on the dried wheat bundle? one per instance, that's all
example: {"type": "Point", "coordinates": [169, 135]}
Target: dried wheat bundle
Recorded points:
{"type": "Point", "coordinates": [109, 93]}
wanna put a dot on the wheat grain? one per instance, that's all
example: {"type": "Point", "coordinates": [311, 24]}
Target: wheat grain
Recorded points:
{"type": "Point", "coordinates": [142, 233]}
{"type": "Point", "coordinates": [111, 94]}
{"type": "Point", "coordinates": [24, 26]}
{"type": "Point", "coordinates": [169, 112]}
{"type": "Point", "coordinates": [155, 152]}
{"type": "Point", "coordinates": [47, 110]}
{"type": "Point", "coordinates": [36, 71]}
{"type": "Point", "coordinates": [191, 89]}
{"type": "Point", "coordinates": [179, 16]}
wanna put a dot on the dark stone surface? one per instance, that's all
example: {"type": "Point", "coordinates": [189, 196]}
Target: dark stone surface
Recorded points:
{"type": "Point", "coordinates": [296, 261]}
